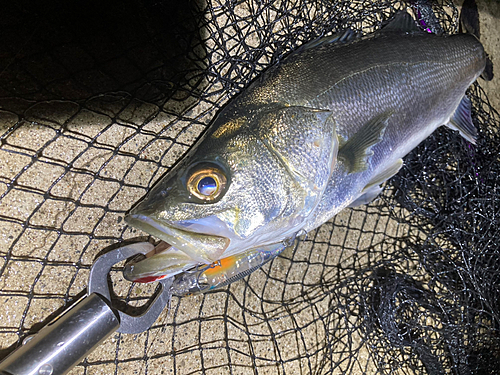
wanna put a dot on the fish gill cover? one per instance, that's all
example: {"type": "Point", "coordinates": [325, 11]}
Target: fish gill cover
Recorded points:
{"type": "Point", "coordinates": [98, 101]}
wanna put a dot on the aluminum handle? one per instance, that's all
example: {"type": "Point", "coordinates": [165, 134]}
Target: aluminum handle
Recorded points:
{"type": "Point", "coordinates": [65, 341]}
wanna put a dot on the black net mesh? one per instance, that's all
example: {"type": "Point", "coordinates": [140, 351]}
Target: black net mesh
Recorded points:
{"type": "Point", "coordinates": [99, 99]}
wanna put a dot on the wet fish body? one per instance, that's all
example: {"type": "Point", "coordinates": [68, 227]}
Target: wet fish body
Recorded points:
{"type": "Point", "coordinates": [417, 80]}
{"type": "Point", "coordinates": [316, 133]}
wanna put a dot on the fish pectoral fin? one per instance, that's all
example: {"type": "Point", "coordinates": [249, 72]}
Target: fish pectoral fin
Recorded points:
{"type": "Point", "coordinates": [384, 175]}
{"type": "Point", "coordinates": [462, 121]}
{"type": "Point", "coordinates": [356, 151]}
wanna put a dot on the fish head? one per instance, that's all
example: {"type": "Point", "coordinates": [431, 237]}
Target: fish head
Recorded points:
{"type": "Point", "coordinates": [251, 181]}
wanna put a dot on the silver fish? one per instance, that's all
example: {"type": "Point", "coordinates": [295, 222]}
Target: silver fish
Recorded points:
{"type": "Point", "coordinates": [314, 134]}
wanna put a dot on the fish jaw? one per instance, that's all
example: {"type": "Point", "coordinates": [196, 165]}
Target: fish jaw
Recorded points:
{"type": "Point", "coordinates": [201, 248]}
{"type": "Point", "coordinates": [167, 263]}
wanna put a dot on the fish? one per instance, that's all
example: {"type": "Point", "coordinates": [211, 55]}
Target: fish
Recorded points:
{"type": "Point", "coordinates": [316, 133]}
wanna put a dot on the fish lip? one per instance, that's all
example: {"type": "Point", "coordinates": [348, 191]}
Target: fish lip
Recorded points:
{"type": "Point", "coordinates": [180, 238]}
{"type": "Point", "coordinates": [158, 266]}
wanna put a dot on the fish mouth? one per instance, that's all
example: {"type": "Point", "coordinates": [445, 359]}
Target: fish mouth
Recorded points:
{"type": "Point", "coordinates": [200, 247]}
{"type": "Point", "coordinates": [179, 250]}
{"type": "Point", "coordinates": [163, 261]}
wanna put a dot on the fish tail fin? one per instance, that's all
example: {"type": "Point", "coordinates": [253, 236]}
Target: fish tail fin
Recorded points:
{"type": "Point", "coordinates": [469, 23]}
{"type": "Point", "coordinates": [469, 19]}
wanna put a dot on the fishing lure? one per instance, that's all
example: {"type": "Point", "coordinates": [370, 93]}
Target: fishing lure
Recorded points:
{"type": "Point", "coordinates": [226, 270]}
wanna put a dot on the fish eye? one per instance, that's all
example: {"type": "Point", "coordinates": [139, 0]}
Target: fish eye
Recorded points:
{"type": "Point", "coordinates": [207, 183]}
{"type": "Point", "coordinates": [207, 186]}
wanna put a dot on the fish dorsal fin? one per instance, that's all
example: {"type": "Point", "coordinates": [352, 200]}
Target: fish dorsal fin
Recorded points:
{"type": "Point", "coordinates": [356, 151]}
{"type": "Point", "coordinates": [305, 142]}
{"type": "Point", "coordinates": [343, 37]}
{"type": "Point", "coordinates": [402, 22]}
{"type": "Point", "coordinates": [462, 121]}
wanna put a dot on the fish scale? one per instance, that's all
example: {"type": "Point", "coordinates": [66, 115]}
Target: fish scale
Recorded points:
{"type": "Point", "coordinates": [422, 77]}
{"type": "Point", "coordinates": [306, 75]}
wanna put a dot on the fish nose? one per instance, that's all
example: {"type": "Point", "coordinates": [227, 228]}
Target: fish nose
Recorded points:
{"type": "Point", "coordinates": [147, 207]}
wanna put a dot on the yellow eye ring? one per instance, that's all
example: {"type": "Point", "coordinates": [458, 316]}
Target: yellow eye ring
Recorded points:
{"type": "Point", "coordinates": [207, 183]}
